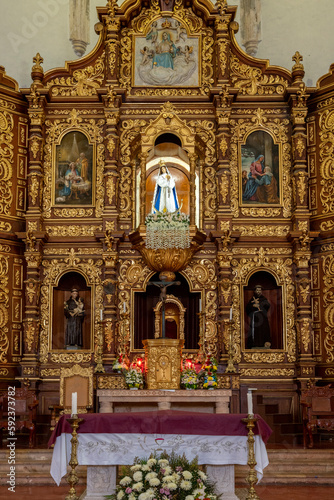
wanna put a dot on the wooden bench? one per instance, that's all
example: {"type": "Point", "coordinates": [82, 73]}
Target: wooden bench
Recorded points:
{"type": "Point", "coordinates": [23, 405]}
{"type": "Point", "coordinates": [317, 411]}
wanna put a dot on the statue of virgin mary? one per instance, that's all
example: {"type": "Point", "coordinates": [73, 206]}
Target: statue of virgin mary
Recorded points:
{"type": "Point", "coordinates": [165, 197]}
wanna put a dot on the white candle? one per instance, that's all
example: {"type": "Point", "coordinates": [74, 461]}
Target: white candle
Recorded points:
{"type": "Point", "coordinates": [101, 314]}
{"type": "Point", "coordinates": [230, 313]}
{"type": "Point", "coordinates": [124, 307]}
{"type": "Point", "coordinates": [200, 305]}
{"type": "Point", "coordinates": [249, 403]}
{"type": "Point", "coordinates": [74, 403]}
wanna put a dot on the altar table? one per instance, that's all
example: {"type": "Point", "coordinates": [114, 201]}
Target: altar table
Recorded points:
{"type": "Point", "coordinates": [110, 439]}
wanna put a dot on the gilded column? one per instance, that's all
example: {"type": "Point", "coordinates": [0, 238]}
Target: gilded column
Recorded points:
{"type": "Point", "coordinates": [301, 236]}
{"type": "Point", "coordinates": [34, 237]}
{"type": "Point", "coordinates": [143, 159]}
{"type": "Point", "coordinates": [112, 43]}
{"type": "Point", "coordinates": [109, 313]}
{"type": "Point", "coordinates": [192, 162]}
{"type": "Point", "coordinates": [223, 112]}
{"type": "Point", "coordinates": [110, 214]}
{"type": "Point", "coordinates": [223, 41]}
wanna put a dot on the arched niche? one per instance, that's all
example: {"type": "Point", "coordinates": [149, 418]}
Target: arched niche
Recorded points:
{"type": "Point", "coordinates": [273, 293]}
{"type": "Point", "coordinates": [168, 148]}
{"type": "Point", "coordinates": [61, 293]}
{"type": "Point", "coordinates": [174, 318]}
{"type": "Point", "coordinates": [145, 302]}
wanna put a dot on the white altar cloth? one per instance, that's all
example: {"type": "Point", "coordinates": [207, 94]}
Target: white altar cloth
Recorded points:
{"type": "Point", "coordinates": [122, 449]}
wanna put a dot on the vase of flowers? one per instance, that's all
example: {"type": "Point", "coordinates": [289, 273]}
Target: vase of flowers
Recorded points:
{"type": "Point", "coordinates": [133, 377]}
{"type": "Point", "coordinates": [189, 379]}
{"type": "Point", "coordinates": [118, 365]}
{"type": "Point", "coordinates": [209, 373]}
{"type": "Point", "coordinates": [164, 478]}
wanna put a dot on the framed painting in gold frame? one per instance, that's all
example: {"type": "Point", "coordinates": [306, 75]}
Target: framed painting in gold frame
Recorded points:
{"type": "Point", "coordinates": [74, 171]}
{"type": "Point", "coordinates": [260, 179]}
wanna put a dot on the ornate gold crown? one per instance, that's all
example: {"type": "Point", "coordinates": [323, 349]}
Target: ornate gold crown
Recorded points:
{"type": "Point", "coordinates": [166, 24]}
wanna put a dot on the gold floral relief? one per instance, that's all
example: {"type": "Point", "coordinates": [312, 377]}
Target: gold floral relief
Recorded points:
{"type": "Point", "coordinates": [267, 372]}
{"type": "Point", "coordinates": [326, 154]}
{"type": "Point", "coordinates": [34, 187]}
{"type": "Point", "coordinates": [6, 161]}
{"type": "Point", "coordinates": [73, 212]}
{"type": "Point", "coordinates": [328, 292]}
{"type": "Point", "coordinates": [251, 81]}
{"type": "Point", "coordinates": [210, 192]}
{"type": "Point", "coordinates": [302, 186]}
{"type": "Point", "coordinates": [83, 82]}
{"type": "Point", "coordinates": [29, 333]}
{"type": "Point", "coordinates": [109, 334]}
{"type": "Point", "coordinates": [262, 230]}
{"type": "Point", "coordinates": [55, 129]}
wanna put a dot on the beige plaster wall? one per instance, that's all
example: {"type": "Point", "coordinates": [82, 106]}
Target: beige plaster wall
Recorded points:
{"type": "Point", "coordinates": [31, 26]}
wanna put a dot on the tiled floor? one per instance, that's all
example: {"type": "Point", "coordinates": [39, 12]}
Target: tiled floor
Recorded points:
{"type": "Point", "coordinates": [264, 492]}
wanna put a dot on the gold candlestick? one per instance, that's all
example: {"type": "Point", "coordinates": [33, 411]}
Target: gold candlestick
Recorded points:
{"type": "Point", "coordinates": [99, 352]}
{"type": "Point", "coordinates": [72, 477]}
{"type": "Point", "coordinates": [230, 367]}
{"type": "Point", "coordinates": [251, 478]}
{"type": "Point", "coordinates": [200, 354]}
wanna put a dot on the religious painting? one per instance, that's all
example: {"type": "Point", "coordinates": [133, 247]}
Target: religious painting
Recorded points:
{"type": "Point", "coordinates": [73, 171]}
{"type": "Point", "coordinates": [263, 316]}
{"type": "Point", "coordinates": [166, 56]}
{"type": "Point", "coordinates": [259, 170]}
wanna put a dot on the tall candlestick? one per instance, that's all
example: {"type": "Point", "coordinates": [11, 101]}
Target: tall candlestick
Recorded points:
{"type": "Point", "coordinates": [74, 403]}
{"type": "Point", "coordinates": [231, 314]}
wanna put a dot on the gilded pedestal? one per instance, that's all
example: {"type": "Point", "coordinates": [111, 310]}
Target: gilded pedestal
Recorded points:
{"type": "Point", "coordinates": [163, 363]}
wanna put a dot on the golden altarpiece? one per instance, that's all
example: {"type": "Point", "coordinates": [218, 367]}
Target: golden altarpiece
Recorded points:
{"type": "Point", "coordinates": [251, 150]}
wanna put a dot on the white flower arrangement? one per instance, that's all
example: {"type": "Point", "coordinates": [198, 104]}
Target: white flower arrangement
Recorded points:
{"type": "Point", "coordinates": [161, 478]}
{"type": "Point", "coordinates": [167, 230]}
{"type": "Point", "coordinates": [134, 377]}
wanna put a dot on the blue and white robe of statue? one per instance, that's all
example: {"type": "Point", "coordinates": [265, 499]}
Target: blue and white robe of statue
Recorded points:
{"type": "Point", "coordinates": [165, 197]}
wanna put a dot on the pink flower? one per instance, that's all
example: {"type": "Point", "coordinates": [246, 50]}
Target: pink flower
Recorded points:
{"type": "Point", "coordinates": [128, 490]}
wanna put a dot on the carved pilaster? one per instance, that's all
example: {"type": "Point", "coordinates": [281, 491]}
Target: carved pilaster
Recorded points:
{"type": "Point", "coordinates": [298, 101]}
{"type": "Point", "coordinates": [110, 165]}
{"type": "Point", "coordinates": [224, 242]}
{"type": "Point", "coordinates": [302, 253]}
{"type": "Point", "coordinates": [223, 43]}
{"type": "Point", "coordinates": [143, 159]}
{"type": "Point", "coordinates": [108, 316]}
{"type": "Point", "coordinates": [36, 143]}
{"type": "Point", "coordinates": [223, 147]}
{"type": "Point", "coordinates": [112, 43]}
{"type": "Point", "coordinates": [192, 161]}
